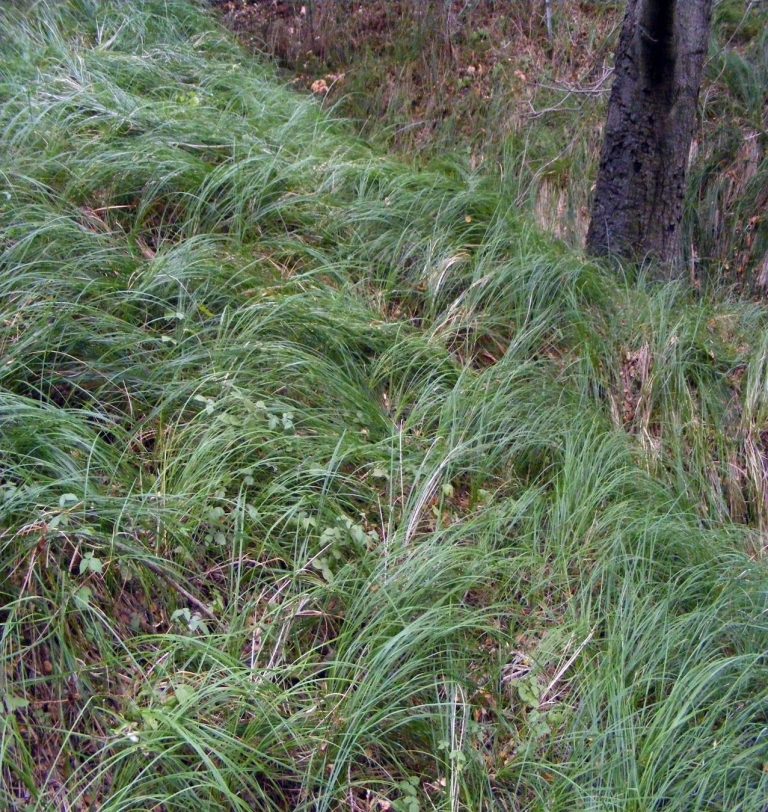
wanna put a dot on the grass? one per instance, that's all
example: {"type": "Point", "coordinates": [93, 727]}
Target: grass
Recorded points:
{"type": "Point", "coordinates": [330, 483]}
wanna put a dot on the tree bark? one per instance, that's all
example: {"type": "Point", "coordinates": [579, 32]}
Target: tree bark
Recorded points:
{"type": "Point", "coordinates": [638, 203]}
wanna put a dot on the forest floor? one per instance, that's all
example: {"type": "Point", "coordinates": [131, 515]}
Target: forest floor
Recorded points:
{"type": "Point", "coordinates": [485, 80]}
{"type": "Point", "coordinates": [329, 481]}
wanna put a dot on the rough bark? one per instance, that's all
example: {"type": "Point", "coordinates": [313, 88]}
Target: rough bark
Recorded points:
{"type": "Point", "coordinates": [638, 204]}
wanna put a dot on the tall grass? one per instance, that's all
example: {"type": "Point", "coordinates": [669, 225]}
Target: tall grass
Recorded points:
{"type": "Point", "coordinates": [329, 483]}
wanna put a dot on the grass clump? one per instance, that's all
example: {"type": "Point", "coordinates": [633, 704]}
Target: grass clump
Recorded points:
{"type": "Point", "coordinates": [329, 483]}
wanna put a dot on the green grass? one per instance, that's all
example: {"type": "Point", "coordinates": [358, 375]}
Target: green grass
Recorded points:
{"type": "Point", "coordinates": [329, 483]}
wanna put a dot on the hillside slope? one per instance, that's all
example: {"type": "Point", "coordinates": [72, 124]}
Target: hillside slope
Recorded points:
{"type": "Point", "coordinates": [331, 484]}
{"type": "Point", "coordinates": [488, 81]}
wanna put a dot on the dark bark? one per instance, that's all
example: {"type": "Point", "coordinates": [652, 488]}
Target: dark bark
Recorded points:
{"type": "Point", "coordinates": [638, 204]}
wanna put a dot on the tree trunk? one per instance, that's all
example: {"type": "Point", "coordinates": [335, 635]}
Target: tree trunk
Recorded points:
{"type": "Point", "coordinates": [548, 18]}
{"type": "Point", "coordinates": [638, 204]}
